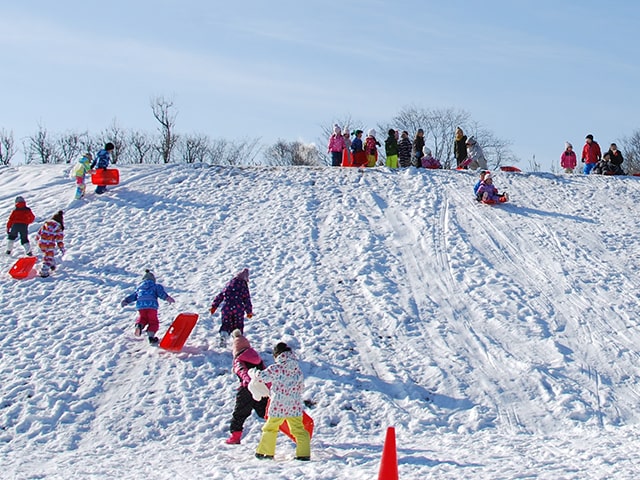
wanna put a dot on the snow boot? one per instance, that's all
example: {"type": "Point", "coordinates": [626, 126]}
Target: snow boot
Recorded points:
{"type": "Point", "coordinates": [153, 340]}
{"type": "Point", "coordinates": [138, 330]}
{"type": "Point", "coordinates": [27, 249]}
{"type": "Point", "coordinates": [262, 456]}
{"type": "Point", "coordinates": [234, 439]}
{"type": "Point", "coordinates": [9, 246]}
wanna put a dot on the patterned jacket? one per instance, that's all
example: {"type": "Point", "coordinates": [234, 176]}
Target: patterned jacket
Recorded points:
{"type": "Point", "coordinates": [287, 385]}
{"type": "Point", "coordinates": [236, 297]}
{"type": "Point", "coordinates": [49, 235]}
{"type": "Point", "coordinates": [146, 295]}
{"type": "Point", "coordinates": [102, 160]}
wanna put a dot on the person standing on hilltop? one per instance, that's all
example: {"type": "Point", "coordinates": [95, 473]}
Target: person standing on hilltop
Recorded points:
{"type": "Point", "coordinates": [336, 146]}
{"type": "Point", "coordinates": [460, 147]}
{"type": "Point", "coordinates": [568, 159]}
{"type": "Point", "coordinates": [591, 154]}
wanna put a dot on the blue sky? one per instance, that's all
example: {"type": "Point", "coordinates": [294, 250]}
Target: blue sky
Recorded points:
{"type": "Point", "coordinates": [536, 73]}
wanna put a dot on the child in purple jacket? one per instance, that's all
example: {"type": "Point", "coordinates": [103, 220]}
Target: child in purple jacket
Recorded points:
{"type": "Point", "coordinates": [237, 302]}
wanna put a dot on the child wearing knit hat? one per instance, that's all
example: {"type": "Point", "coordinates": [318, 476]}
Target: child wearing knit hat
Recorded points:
{"type": "Point", "coordinates": [244, 359]}
{"type": "Point", "coordinates": [18, 226]}
{"type": "Point", "coordinates": [146, 298]}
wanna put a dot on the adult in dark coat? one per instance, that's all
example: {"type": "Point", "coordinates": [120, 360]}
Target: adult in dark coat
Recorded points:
{"type": "Point", "coordinates": [460, 147]}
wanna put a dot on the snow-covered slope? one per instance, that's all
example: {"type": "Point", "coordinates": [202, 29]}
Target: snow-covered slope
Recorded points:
{"type": "Point", "coordinates": [501, 342]}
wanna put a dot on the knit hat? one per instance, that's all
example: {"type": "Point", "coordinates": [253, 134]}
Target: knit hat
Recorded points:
{"type": "Point", "coordinates": [371, 132]}
{"type": "Point", "coordinates": [20, 199]}
{"type": "Point", "coordinates": [280, 348]}
{"type": "Point", "coordinates": [471, 140]}
{"type": "Point", "coordinates": [426, 151]}
{"type": "Point", "coordinates": [148, 276]}
{"type": "Point", "coordinates": [345, 130]}
{"type": "Point", "coordinates": [590, 137]}
{"type": "Point", "coordinates": [336, 129]}
{"type": "Point", "coordinates": [358, 132]}
{"type": "Point", "coordinates": [488, 176]}
{"type": "Point", "coordinates": [244, 275]}
{"type": "Point", "coordinates": [58, 217]}
{"type": "Point", "coordinates": [109, 146]}
{"type": "Point", "coordinates": [567, 145]}
{"type": "Point", "coordinates": [88, 156]}
{"type": "Point", "coordinates": [240, 342]}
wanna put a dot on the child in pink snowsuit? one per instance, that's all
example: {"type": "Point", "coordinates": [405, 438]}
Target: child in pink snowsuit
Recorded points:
{"type": "Point", "coordinates": [49, 236]}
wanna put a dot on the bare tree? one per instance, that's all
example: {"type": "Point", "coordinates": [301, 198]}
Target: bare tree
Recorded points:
{"type": "Point", "coordinates": [194, 148]}
{"type": "Point", "coordinates": [7, 147]}
{"type": "Point", "coordinates": [292, 153]}
{"type": "Point", "coordinates": [140, 147]}
{"type": "Point", "coordinates": [40, 147]}
{"type": "Point", "coordinates": [116, 135]}
{"type": "Point", "coordinates": [71, 145]}
{"type": "Point", "coordinates": [225, 152]}
{"type": "Point", "coordinates": [163, 111]}
{"type": "Point", "coordinates": [630, 148]}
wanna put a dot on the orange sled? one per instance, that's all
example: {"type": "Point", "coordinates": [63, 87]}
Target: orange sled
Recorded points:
{"type": "Point", "coordinates": [22, 267]}
{"type": "Point", "coordinates": [307, 422]}
{"type": "Point", "coordinates": [110, 176]}
{"type": "Point", "coordinates": [178, 332]}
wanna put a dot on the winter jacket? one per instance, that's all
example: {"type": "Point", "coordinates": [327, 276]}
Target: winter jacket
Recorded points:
{"type": "Point", "coordinates": [102, 160]}
{"type": "Point", "coordinates": [336, 143]}
{"type": "Point", "coordinates": [476, 155]}
{"type": "Point", "coordinates": [591, 152]}
{"type": "Point", "coordinates": [370, 145]}
{"type": "Point", "coordinates": [430, 162]}
{"type": "Point", "coordinates": [287, 385]}
{"type": "Point", "coordinates": [243, 362]}
{"type": "Point", "coordinates": [418, 145]}
{"type": "Point", "coordinates": [49, 235]}
{"type": "Point", "coordinates": [356, 145]}
{"type": "Point", "coordinates": [82, 167]}
{"type": "Point", "coordinates": [404, 152]}
{"type": "Point", "coordinates": [460, 149]}
{"type": "Point", "coordinates": [391, 145]}
{"type": "Point", "coordinates": [568, 159]}
{"type": "Point", "coordinates": [146, 295]}
{"type": "Point", "coordinates": [490, 190]}
{"type": "Point", "coordinates": [614, 157]}
{"type": "Point", "coordinates": [237, 302]}
{"type": "Point", "coordinates": [21, 214]}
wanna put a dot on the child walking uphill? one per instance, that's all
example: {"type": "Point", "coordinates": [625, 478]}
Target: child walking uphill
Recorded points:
{"type": "Point", "coordinates": [287, 384]}
{"type": "Point", "coordinates": [80, 171]}
{"type": "Point", "coordinates": [18, 225]}
{"type": "Point", "coordinates": [49, 236]}
{"type": "Point", "coordinates": [244, 359]}
{"type": "Point", "coordinates": [237, 302]}
{"type": "Point", "coordinates": [102, 160]}
{"type": "Point", "coordinates": [146, 298]}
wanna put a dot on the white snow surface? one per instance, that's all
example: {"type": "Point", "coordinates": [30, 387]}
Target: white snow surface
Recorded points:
{"type": "Point", "coordinates": [500, 341]}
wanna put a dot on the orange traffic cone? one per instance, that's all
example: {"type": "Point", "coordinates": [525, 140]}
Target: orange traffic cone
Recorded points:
{"type": "Point", "coordinates": [389, 462]}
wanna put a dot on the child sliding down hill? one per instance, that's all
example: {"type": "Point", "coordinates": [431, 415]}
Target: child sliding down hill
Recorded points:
{"type": "Point", "coordinates": [146, 298]}
{"type": "Point", "coordinates": [488, 193]}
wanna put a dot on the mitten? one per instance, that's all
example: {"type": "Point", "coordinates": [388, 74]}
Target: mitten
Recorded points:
{"type": "Point", "coordinates": [123, 303]}
{"type": "Point", "coordinates": [249, 315]}
{"type": "Point", "coordinates": [170, 299]}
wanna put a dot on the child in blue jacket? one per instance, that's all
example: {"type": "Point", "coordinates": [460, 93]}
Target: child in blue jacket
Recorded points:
{"type": "Point", "coordinates": [146, 298]}
{"type": "Point", "coordinates": [102, 160]}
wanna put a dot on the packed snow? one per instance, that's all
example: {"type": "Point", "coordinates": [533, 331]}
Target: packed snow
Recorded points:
{"type": "Point", "coordinates": [500, 341]}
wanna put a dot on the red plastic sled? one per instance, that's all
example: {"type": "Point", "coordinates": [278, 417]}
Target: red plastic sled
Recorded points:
{"type": "Point", "coordinates": [347, 158]}
{"type": "Point", "coordinates": [510, 169]}
{"type": "Point", "coordinates": [307, 422]}
{"type": "Point", "coordinates": [110, 176]}
{"type": "Point", "coordinates": [178, 332]}
{"type": "Point", "coordinates": [22, 267]}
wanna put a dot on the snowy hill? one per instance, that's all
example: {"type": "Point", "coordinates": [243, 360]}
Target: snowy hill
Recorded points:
{"type": "Point", "coordinates": [501, 342]}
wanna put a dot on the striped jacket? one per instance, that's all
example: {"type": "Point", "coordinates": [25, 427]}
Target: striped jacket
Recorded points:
{"type": "Point", "coordinates": [50, 235]}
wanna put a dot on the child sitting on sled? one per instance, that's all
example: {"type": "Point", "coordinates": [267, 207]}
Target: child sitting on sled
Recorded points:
{"type": "Point", "coordinates": [18, 225]}
{"type": "Point", "coordinates": [146, 298]}
{"type": "Point", "coordinates": [237, 302]}
{"type": "Point", "coordinates": [287, 384]}
{"type": "Point", "coordinates": [488, 193]}
{"type": "Point", "coordinates": [428, 161]}
{"type": "Point", "coordinates": [244, 359]}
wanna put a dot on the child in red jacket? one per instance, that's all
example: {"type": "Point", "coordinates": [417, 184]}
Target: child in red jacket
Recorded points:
{"type": "Point", "coordinates": [18, 224]}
